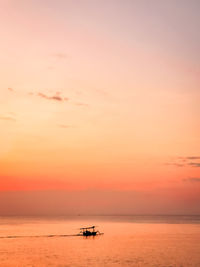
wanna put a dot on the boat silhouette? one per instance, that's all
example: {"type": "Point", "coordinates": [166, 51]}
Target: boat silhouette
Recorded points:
{"type": "Point", "coordinates": [89, 231]}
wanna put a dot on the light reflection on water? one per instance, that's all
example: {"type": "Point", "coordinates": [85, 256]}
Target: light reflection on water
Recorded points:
{"type": "Point", "coordinates": [127, 241]}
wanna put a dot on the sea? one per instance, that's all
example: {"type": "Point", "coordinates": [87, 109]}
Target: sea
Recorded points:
{"type": "Point", "coordinates": [127, 241]}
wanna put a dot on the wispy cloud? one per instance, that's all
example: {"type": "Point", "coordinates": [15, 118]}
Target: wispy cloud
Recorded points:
{"type": "Point", "coordinates": [174, 164]}
{"type": "Point", "coordinates": [60, 55]}
{"type": "Point", "coordinates": [7, 118]}
{"type": "Point", "coordinates": [30, 93]}
{"type": "Point", "coordinates": [194, 164]}
{"type": "Point", "coordinates": [81, 104]}
{"type": "Point", "coordinates": [193, 157]}
{"type": "Point", "coordinates": [192, 161]}
{"type": "Point", "coordinates": [192, 179]}
{"type": "Point", "coordinates": [65, 126]}
{"type": "Point", "coordinates": [56, 97]}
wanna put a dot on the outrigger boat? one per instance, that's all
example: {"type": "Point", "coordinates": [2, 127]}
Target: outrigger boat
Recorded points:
{"type": "Point", "coordinates": [89, 231]}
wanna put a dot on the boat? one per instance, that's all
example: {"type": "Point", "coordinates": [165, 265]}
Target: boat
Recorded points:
{"type": "Point", "coordinates": [89, 231]}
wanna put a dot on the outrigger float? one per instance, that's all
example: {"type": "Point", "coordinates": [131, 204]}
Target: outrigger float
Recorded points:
{"type": "Point", "coordinates": [89, 231]}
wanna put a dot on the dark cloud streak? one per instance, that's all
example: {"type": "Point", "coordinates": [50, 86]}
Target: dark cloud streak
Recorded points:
{"type": "Point", "coordinates": [192, 157]}
{"type": "Point", "coordinates": [55, 97]}
{"type": "Point", "coordinates": [194, 164]}
{"type": "Point", "coordinates": [192, 161]}
{"type": "Point", "coordinates": [192, 180]}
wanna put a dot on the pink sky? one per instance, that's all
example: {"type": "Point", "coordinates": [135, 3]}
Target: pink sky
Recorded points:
{"type": "Point", "coordinates": [100, 96]}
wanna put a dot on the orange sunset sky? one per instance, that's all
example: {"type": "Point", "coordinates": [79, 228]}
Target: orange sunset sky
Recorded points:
{"type": "Point", "coordinates": [99, 107]}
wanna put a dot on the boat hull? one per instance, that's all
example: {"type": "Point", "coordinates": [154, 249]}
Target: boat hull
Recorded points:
{"type": "Point", "coordinates": [88, 233]}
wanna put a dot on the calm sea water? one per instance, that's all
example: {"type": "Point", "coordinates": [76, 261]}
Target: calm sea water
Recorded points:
{"type": "Point", "coordinates": [127, 241]}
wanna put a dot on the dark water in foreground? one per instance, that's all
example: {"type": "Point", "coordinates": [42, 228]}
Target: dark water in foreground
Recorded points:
{"type": "Point", "coordinates": [127, 241]}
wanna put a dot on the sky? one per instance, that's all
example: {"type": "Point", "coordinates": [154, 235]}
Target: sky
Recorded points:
{"type": "Point", "coordinates": [99, 107]}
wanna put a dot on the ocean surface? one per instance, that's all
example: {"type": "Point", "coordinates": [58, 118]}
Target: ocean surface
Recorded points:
{"type": "Point", "coordinates": [127, 241]}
